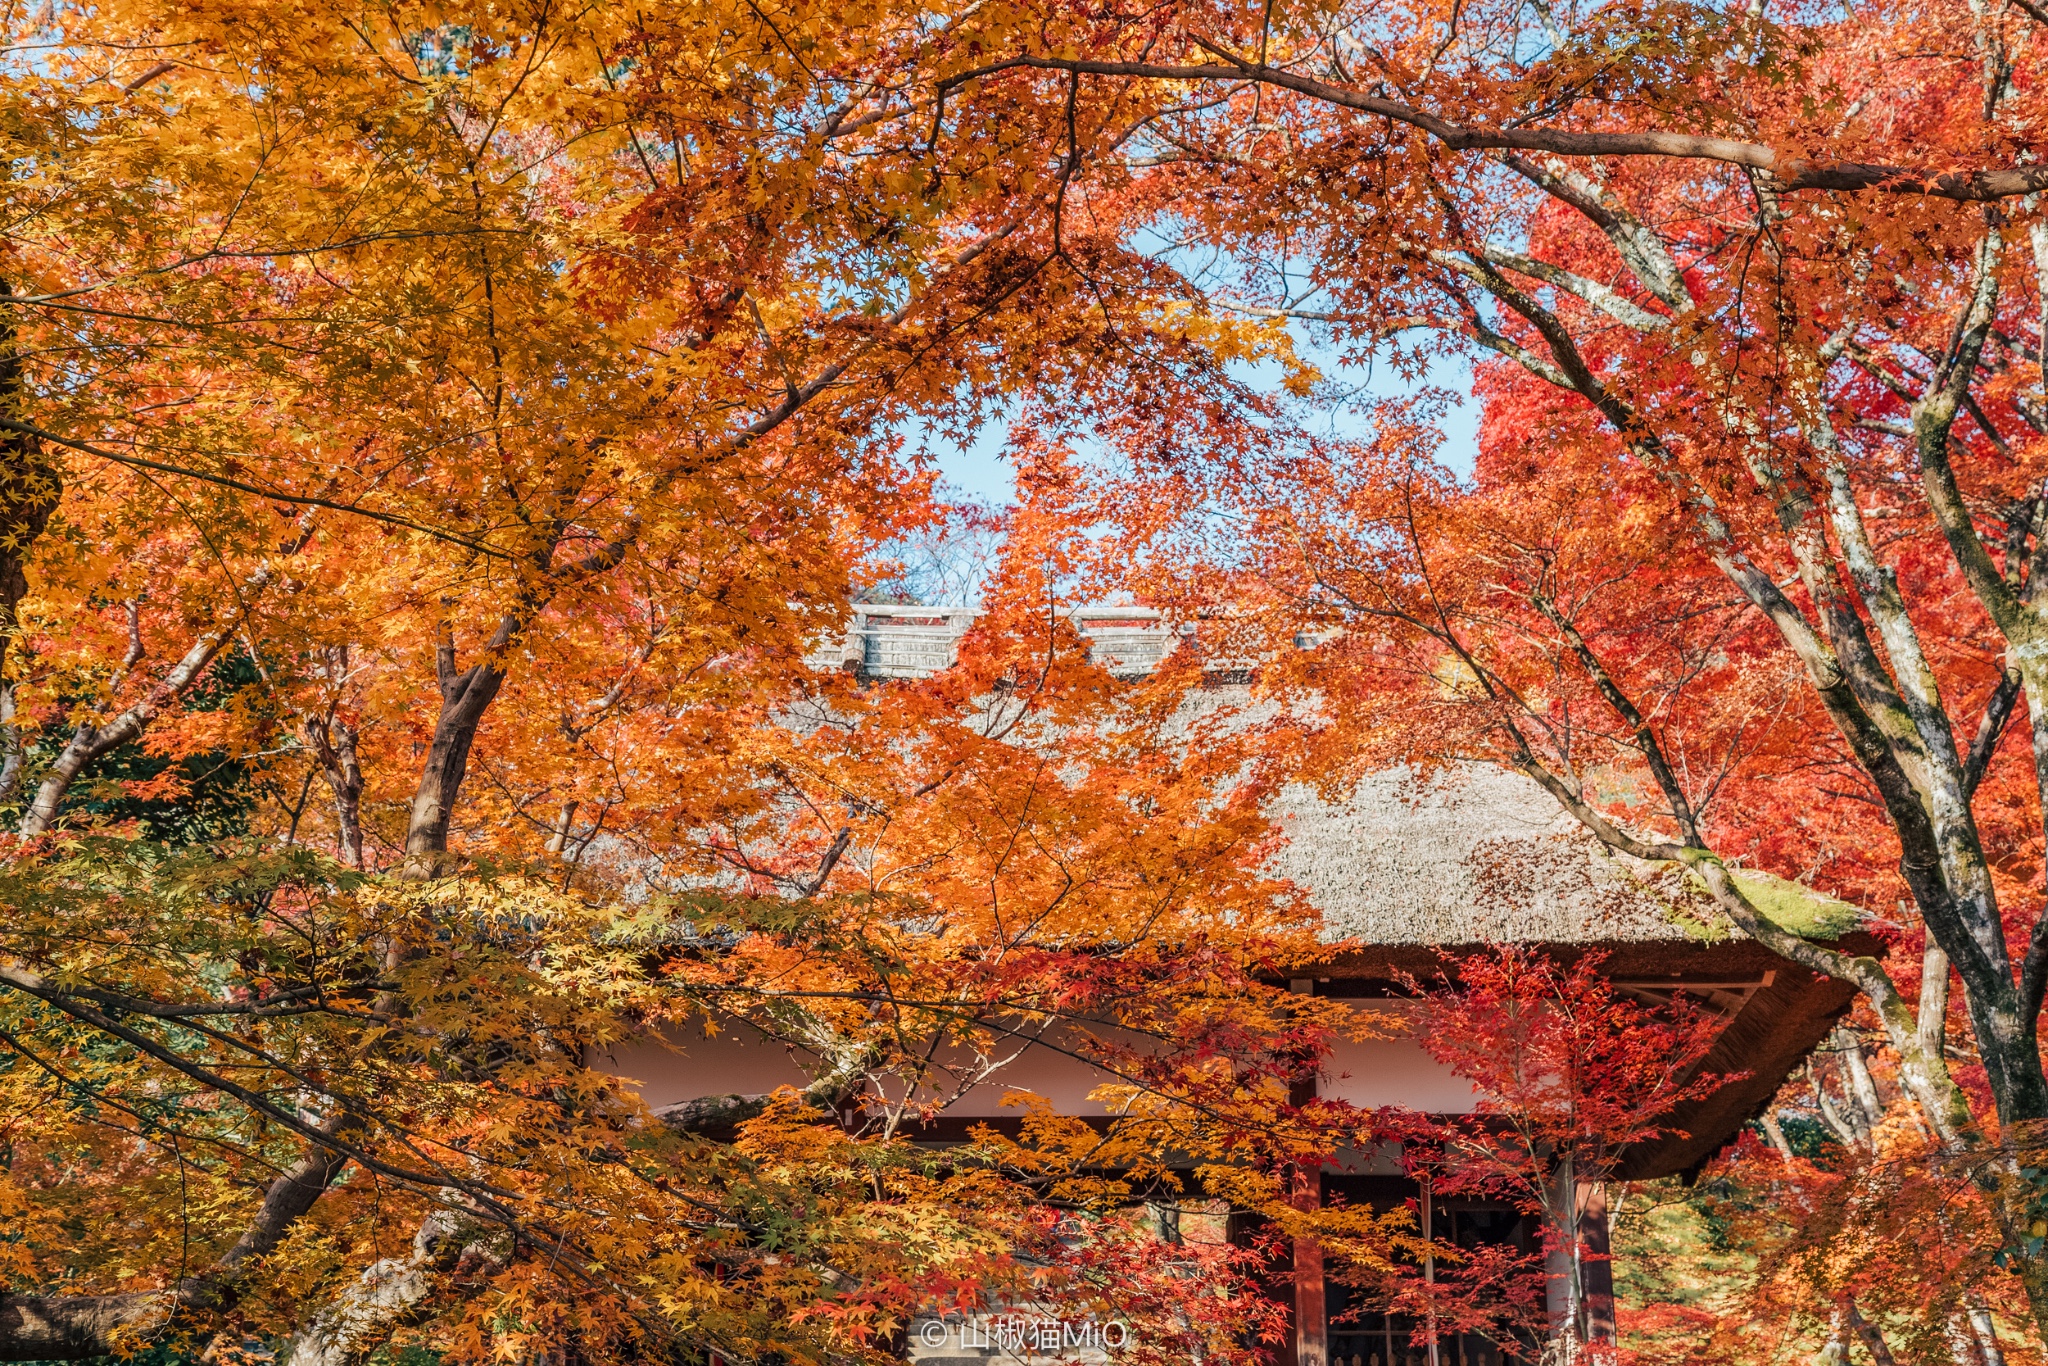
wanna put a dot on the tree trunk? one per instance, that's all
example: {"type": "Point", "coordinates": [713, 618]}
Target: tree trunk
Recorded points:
{"type": "Point", "coordinates": [1962, 1343]}
{"type": "Point", "coordinates": [1841, 1124]}
{"type": "Point", "coordinates": [1596, 1273]}
{"type": "Point", "coordinates": [1311, 1311]}
{"type": "Point", "coordinates": [1775, 1131]}
{"type": "Point", "coordinates": [387, 1294]}
{"type": "Point", "coordinates": [1873, 1340]}
{"type": "Point", "coordinates": [333, 742]}
{"type": "Point", "coordinates": [346, 781]}
{"type": "Point", "coordinates": [1567, 1289]}
{"type": "Point", "coordinates": [1888, 710]}
{"type": "Point", "coordinates": [1835, 1351]}
{"type": "Point", "coordinates": [1862, 1086]}
{"type": "Point", "coordinates": [1985, 1329]}
{"type": "Point", "coordinates": [92, 741]}
{"type": "Point", "coordinates": [72, 1327]}
{"type": "Point", "coordinates": [465, 697]}
{"type": "Point", "coordinates": [558, 841]}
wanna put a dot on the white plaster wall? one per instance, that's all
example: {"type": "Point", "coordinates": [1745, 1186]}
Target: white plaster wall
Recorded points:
{"type": "Point", "coordinates": [1063, 1080]}
{"type": "Point", "coordinates": [683, 1064]}
{"type": "Point", "coordinates": [1392, 1071]}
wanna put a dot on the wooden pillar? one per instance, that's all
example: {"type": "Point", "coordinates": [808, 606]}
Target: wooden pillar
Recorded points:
{"type": "Point", "coordinates": [1596, 1271]}
{"type": "Point", "coordinates": [1427, 1199]}
{"type": "Point", "coordinates": [1311, 1309]}
{"type": "Point", "coordinates": [1311, 1312]}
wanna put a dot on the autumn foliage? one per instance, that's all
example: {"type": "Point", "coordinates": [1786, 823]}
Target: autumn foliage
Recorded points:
{"type": "Point", "coordinates": [437, 439]}
{"type": "Point", "coordinates": [1566, 1073]}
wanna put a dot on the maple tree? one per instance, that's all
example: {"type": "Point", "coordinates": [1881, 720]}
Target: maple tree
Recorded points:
{"type": "Point", "coordinates": [1567, 1074]}
{"type": "Point", "coordinates": [479, 413]}
{"type": "Point", "coordinates": [1863, 1233]}
{"type": "Point", "coordinates": [1571, 1074]}
{"type": "Point", "coordinates": [1885, 1244]}
{"type": "Point", "coordinates": [1744, 572]}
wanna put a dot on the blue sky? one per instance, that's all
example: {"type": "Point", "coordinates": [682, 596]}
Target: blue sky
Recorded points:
{"type": "Point", "coordinates": [980, 473]}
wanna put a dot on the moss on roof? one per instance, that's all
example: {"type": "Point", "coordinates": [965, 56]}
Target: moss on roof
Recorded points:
{"type": "Point", "coordinates": [1789, 906]}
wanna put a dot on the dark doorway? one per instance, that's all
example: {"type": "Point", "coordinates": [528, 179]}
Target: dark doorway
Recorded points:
{"type": "Point", "coordinates": [1359, 1334]}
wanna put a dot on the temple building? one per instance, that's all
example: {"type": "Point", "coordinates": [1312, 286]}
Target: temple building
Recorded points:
{"type": "Point", "coordinates": [1405, 869]}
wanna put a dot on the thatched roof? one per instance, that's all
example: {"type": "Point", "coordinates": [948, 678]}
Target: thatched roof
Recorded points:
{"type": "Point", "coordinates": [1472, 855]}
{"type": "Point", "coordinates": [1469, 854]}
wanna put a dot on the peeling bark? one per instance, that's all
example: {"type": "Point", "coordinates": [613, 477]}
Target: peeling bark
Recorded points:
{"type": "Point", "coordinates": [1962, 1343]}
{"type": "Point", "coordinates": [389, 1293]}
{"type": "Point", "coordinates": [333, 742]}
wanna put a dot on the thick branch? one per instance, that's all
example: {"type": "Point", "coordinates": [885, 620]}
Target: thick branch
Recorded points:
{"type": "Point", "coordinates": [1933, 416]}
{"type": "Point", "coordinates": [1997, 710]}
{"type": "Point", "coordinates": [333, 742]}
{"type": "Point", "coordinates": [1873, 1340]}
{"type": "Point", "coordinates": [1858, 694]}
{"type": "Point", "coordinates": [719, 1114]}
{"type": "Point", "coordinates": [1917, 687]}
{"type": "Point", "coordinates": [90, 742]}
{"type": "Point", "coordinates": [1785, 173]}
{"type": "Point", "coordinates": [70, 1327]}
{"type": "Point", "coordinates": [1932, 1021]}
{"type": "Point", "coordinates": [1926, 1074]}
{"type": "Point", "coordinates": [1639, 248]}
{"type": "Point", "coordinates": [467, 695]}
{"type": "Point", "coordinates": [1609, 301]}
{"type": "Point", "coordinates": [389, 1292]}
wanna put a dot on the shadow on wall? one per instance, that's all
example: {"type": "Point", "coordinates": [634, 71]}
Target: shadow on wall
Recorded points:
{"type": "Point", "coordinates": [683, 1063]}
